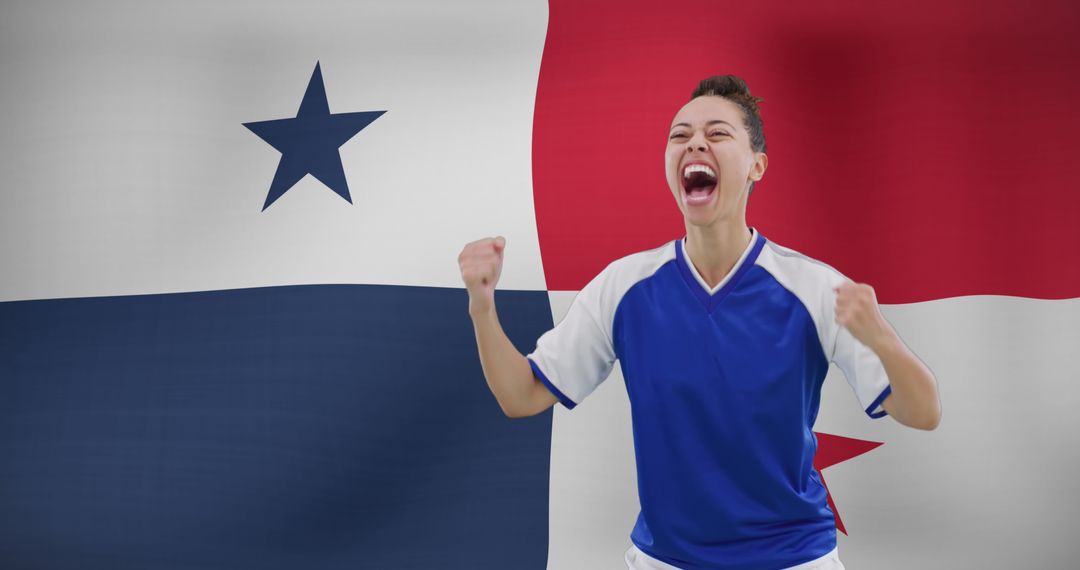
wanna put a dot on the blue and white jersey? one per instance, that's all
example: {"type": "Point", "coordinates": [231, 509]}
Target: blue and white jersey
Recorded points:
{"type": "Point", "coordinates": [724, 387]}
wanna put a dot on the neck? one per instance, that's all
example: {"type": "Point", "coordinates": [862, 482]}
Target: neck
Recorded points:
{"type": "Point", "coordinates": [714, 249]}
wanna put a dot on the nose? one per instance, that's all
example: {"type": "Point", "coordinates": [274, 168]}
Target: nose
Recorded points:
{"type": "Point", "coordinates": [697, 142]}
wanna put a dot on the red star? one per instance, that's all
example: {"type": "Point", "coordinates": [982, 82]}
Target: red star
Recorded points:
{"type": "Point", "coordinates": [833, 449]}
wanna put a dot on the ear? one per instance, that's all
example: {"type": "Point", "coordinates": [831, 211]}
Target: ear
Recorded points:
{"type": "Point", "coordinates": [761, 162]}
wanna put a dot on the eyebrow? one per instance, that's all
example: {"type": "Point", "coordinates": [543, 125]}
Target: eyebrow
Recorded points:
{"type": "Point", "coordinates": [708, 124]}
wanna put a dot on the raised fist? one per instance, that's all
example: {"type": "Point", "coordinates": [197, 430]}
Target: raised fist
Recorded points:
{"type": "Point", "coordinates": [481, 263]}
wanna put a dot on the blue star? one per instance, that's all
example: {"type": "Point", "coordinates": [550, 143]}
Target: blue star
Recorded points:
{"type": "Point", "coordinates": [309, 143]}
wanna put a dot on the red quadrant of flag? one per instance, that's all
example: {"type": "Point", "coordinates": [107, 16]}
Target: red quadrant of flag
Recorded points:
{"type": "Point", "coordinates": [927, 149]}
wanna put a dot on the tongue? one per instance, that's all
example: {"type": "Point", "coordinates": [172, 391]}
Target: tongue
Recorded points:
{"type": "Point", "coordinates": [700, 191]}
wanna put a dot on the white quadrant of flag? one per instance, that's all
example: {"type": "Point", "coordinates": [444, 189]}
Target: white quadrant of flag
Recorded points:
{"type": "Point", "coordinates": [131, 116]}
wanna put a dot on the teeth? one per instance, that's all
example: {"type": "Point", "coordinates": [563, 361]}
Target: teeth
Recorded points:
{"type": "Point", "coordinates": [692, 168]}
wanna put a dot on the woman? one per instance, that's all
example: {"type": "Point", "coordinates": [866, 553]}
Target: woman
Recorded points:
{"type": "Point", "coordinates": [724, 339]}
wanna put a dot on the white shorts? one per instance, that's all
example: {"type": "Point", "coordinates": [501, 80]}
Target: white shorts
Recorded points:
{"type": "Point", "coordinates": [638, 560]}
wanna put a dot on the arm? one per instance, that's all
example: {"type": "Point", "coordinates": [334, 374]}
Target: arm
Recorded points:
{"type": "Point", "coordinates": [507, 371]}
{"type": "Point", "coordinates": [914, 400]}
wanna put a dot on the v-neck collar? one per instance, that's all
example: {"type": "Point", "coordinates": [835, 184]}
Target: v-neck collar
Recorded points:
{"type": "Point", "coordinates": [710, 298]}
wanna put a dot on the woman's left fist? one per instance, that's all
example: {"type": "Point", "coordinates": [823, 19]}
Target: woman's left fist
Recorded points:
{"type": "Point", "coordinates": [857, 310]}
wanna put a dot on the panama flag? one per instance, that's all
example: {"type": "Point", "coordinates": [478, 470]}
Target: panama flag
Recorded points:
{"type": "Point", "coordinates": [233, 332]}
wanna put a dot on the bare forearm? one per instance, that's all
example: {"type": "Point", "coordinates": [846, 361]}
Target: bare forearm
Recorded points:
{"type": "Point", "coordinates": [914, 400]}
{"type": "Point", "coordinates": [507, 371]}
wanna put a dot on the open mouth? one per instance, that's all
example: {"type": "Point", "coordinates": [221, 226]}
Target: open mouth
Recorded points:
{"type": "Point", "coordinates": [699, 183]}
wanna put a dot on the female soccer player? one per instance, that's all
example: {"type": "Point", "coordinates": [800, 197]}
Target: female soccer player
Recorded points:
{"type": "Point", "coordinates": [724, 338]}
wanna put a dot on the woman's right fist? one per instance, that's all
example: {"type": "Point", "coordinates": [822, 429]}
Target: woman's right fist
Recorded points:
{"type": "Point", "coordinates": [481, 264]}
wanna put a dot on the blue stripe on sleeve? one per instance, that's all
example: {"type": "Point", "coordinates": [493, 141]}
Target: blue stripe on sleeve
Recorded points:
{"type": "Point", "coordinates": [558, 393]}
{"type": "Point", "coordinates": [877, 402]}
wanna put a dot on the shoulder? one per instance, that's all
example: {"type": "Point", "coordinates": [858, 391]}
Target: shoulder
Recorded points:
{"type": "Point", "coordinates": [796, 269]}
{"type": "Point", "coordinates": [634, 267]}
{"type": "Point", "coordinates": [619, 276]}
{"type": "Point", "coordinates": [809, 280]}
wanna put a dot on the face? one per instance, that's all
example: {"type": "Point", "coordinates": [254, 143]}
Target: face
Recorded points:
{"type": "Point", "coordinates": [709, 162]}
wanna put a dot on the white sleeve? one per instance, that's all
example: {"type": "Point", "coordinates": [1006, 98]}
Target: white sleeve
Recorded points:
{"type": "Point", "coordinates": [573, 358]}
{"type": "Point", "coordinates": [862, 367]}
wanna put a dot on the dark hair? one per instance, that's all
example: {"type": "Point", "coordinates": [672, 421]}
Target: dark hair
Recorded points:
{"type": "Point", "coordinates": [734, 89]}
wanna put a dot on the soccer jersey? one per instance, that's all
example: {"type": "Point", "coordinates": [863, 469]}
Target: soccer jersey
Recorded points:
{"type": "Point", "coordinates": [724, 386]}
